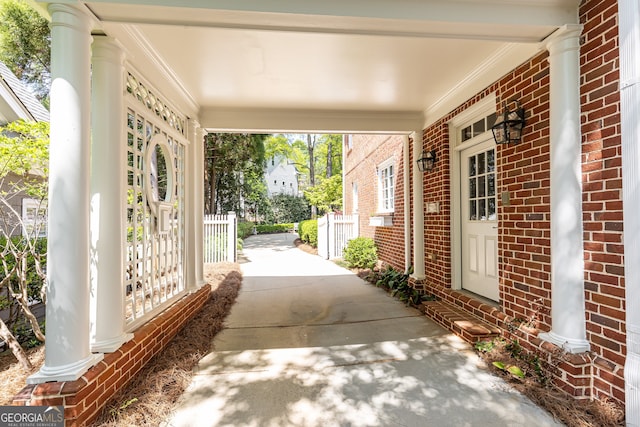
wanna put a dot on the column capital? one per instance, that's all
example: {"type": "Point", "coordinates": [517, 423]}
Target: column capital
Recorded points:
{"type": "Point", "coordinates": [67, 15]}
{"type": "Point", "coordinates": [566, 38]}
{"type": "Point", "coordinates": [107, 48]}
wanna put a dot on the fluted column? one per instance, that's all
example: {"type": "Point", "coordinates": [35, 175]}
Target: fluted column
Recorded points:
{"type": "Point", "coordinates": [418, 210]}
{"type": "Point", "coordinates": [568, 325]}
{"type": "Point", "coordinates": [67, 354]}
{"type": "Point", "coordinates": [407, 201]}
{"type": "Point", "coordinates": [108, 210]}
{"type": "Point", "coordinates": [630, 129]}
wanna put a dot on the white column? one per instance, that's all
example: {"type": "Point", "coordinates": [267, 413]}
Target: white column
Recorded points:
{"type": "Point", "coordinates": [67, 346]}
{"type": "Point", "coordinates": [108, 210]}
{"type": "Point", "coordinates": [192, 178]}
{"type": "Point", "coordinates": [407, 202]}
{"type": "Point", "coordinates": [199, 214]}
{"type": "Point", "coordinates": [568, 329]}
{"type": "Point", "coordinates": [629, 16]}
{"type": "Point", "coordinates": [418, 210]}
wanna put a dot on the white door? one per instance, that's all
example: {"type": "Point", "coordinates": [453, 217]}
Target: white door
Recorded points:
{"type": "Point", "coordinates": [479, 220]}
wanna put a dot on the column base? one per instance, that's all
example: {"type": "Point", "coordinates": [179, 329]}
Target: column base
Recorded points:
{"type": "Point", "coordinates": [111, 345]}
{"type": "Point", "coordinates": [567, 344]}
{"type": "Point", "coordinates": [70, 372]}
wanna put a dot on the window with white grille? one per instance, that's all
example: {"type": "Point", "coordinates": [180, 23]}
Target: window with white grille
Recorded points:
{"type": "Point", "coordinates": [386, 185]}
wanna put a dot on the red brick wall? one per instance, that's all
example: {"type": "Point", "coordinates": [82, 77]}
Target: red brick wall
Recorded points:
{"type": "Point", "coordinates": [84, 398]}
{"type": "Point", "coordinates": [437, 189]}
{"type": "Point", "coordinates": [524, 225]}
{"type": "Point", "coordinates": [360, 167]}
{"type": "Point", "coordinates": [602, 194]}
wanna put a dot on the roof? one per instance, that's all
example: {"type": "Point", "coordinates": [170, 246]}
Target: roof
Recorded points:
{"type": "Point", "coordinates": [19, 102]}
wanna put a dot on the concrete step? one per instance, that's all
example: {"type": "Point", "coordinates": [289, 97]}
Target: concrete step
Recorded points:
{"type": "Point", "coordinates": [460, 322]}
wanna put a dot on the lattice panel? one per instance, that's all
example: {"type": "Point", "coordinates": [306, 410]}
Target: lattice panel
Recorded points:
{"type": "Point", "coordinates": [153, 260]}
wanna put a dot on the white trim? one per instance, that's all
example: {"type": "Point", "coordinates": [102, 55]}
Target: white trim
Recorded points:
{"type": "Point", "coordinates": [480, 109]}
{"type": "Point", "coordinates": [165, 70]}
{"type": "Point", "coordinates": [380, 200]}
{"type": "Point", "coordinates": [309, 121]}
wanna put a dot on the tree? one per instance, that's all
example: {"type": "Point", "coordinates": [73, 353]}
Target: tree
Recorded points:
{"type": "Point", "coordinates": [329, 155]}
{"type": "Point", "coordinates": [234, 163]}
{"type": "Point", "coordinates": [25, 46]}
{"type": "Point", "coordinates": [327, 195]}
{"type": "Point", "coordinates": [287, 208]}
{"type": "Point", "coordinates": [24, 158]}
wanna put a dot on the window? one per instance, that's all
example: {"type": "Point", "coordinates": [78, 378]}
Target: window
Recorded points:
{"type": "Point", "coordinates": [386, 181]}
{"type": "Point", "coordinates": [482, 186]}
{"type": "Point", "coordinates": [34, 217]}
{"type": "Point", "coordinates": [477, 127]}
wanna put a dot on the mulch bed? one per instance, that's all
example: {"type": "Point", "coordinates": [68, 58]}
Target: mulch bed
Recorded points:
{"type": "Point", "coordinates": [305, 247]}
{"type": "Point", "coordinates": [150, 398]}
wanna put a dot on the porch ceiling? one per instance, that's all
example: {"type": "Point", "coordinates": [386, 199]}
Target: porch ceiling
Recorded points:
{"type": "Point", "coordinates": [369, 65]}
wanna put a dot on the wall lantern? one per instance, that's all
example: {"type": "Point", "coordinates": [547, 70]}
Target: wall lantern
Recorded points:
{"type": "Point", "coordinates": [508, 127]}
{"type": "Point", "coordinates": [426, 162]}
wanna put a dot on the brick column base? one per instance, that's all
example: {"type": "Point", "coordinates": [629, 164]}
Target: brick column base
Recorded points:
{"type": "Point", "coordinates": [84, 398]}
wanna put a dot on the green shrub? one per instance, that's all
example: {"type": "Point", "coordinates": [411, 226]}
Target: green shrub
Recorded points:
{"type": "Point", "coordinates": [245, 229]}
{"type": "Point", "coordinates": [308, 231]}
{"type": "Point", "coordinates": [15, 319]}
{"type": "Point", "coordinates": [274, 228]}
{"type": "Point", "coordinates": [397, 284]}
{"type": "Point", "coordinates": [361, 252]}
{"type": "Point", "coordinates": [34, 281]}
{"type": "Point", "coordinates": [287, 208]}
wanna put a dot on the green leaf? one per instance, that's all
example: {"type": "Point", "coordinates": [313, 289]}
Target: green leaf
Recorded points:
{"type": "Point", "coordinates": [499, 365]}
{"type": "Point", "coordinates": [514, 370]}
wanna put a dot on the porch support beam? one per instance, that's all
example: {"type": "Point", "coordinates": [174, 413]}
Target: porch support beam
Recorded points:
{"type": "Point", "coordinates": [418, 210]}
{"type": "Point", "coordinates": [630, 109]}
{"type": "Point", "coordinates": [67, 354]}
{"type": "Point", "coordinates": [108, 211]}
{"type": "Point", "coordinates": [568, 326]}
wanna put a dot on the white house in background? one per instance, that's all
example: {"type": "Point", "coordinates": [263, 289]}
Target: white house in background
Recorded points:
{"type": "Point", "coordinates": [17, 102]}
{"type": "Point", "coordinates": [281, 177]}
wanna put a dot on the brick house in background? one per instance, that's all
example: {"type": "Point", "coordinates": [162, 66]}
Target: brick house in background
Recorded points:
{"type": "Point", "coordinates": [495, 216]}
{"type": "Point", "coordinates": [18, 103]}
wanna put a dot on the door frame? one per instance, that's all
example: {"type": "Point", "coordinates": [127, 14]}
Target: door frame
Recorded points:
{"type": "Point", "coordinates": [477, 111]}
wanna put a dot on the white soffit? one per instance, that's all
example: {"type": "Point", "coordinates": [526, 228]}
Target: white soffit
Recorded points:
{"type": "Point", "coordinates": [258, 59]}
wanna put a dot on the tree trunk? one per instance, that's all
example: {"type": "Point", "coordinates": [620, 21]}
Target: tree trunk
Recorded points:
{"type": "Point", "coordinates": [329, 159]}
{"type": "Point", "coordinates": [312, 171]}
{"type": "Point", "coordinates": [23, 297]}
{"type": "Point", "coordinates": [15, 347]}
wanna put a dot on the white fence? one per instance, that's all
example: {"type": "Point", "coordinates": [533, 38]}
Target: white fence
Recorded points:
{"type": "Point", "coordinates": [334, 231]}
{"type": "Point", "coordinates": [220, 238]}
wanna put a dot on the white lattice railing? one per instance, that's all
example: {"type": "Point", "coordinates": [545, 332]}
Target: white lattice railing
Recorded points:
{"type": "Point", "coordinates": [220, 237]}
{"type": "Point", "coordinates": [334, 232]}
{"type": "Point", "coordinates": [154, 257]}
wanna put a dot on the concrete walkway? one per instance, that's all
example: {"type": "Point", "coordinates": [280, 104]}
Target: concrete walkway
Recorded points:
{"type": "Point", "coordinates": [310, 344]}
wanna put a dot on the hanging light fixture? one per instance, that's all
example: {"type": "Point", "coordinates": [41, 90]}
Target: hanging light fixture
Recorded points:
{"type": "Point", "coordinates": [508, 127]}
{"type": "Point", "coordinates": [427, 161]}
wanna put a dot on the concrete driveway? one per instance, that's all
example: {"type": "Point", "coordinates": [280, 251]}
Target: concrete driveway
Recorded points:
{"type": "Point", "coordinates": [308, 343]}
